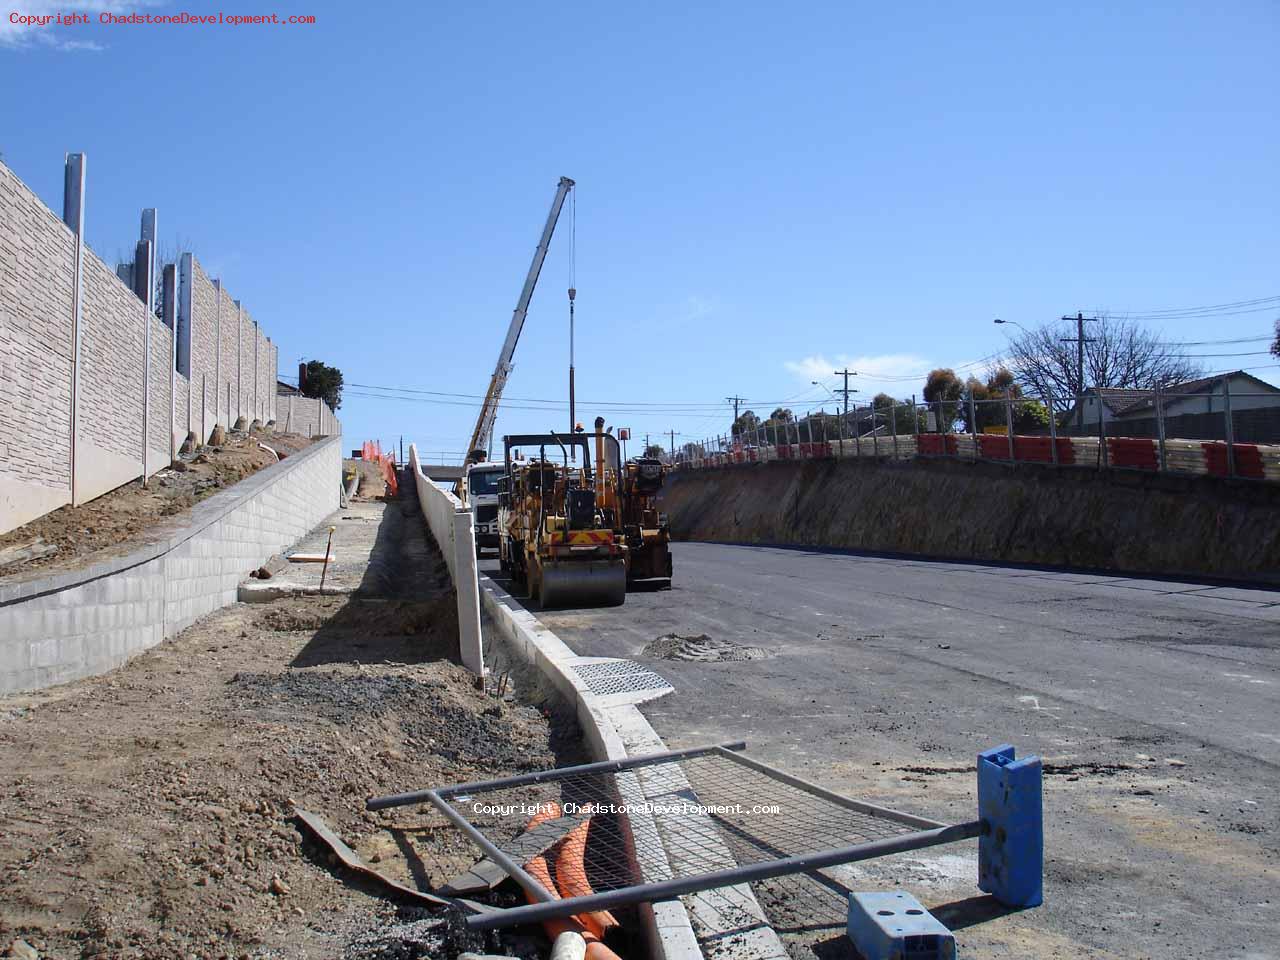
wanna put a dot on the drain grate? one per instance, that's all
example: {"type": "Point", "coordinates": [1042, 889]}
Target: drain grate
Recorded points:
{"type": "Point", "coordinates": [605, 677]}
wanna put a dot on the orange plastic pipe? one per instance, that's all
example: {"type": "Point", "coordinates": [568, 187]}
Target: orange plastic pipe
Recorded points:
{"type": "Point", "coordinates": [571, 878]}
{"type": "Point", "coordinates": [540, 869]}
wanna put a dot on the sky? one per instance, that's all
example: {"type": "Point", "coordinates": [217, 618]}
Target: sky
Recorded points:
{"type": "Point", "coordinates": [766, 192]}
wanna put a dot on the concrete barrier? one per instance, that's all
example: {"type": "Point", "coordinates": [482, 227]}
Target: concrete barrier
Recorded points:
{"type": "Point", "coordinates": [85, 622]}
{"type": "Point", "coordinates": [450, 523]}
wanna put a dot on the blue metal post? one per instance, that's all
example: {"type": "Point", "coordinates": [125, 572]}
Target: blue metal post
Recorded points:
{"type": "Point", "coordinates": [1011, 851]}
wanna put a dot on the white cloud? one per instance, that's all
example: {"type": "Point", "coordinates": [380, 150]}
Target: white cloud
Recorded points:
{"type": "Point", "coordinates": [64, 37]}
{"type": "Point", "coordinates": [899, 374]}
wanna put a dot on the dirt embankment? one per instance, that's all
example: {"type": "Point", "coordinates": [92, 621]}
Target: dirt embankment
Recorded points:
{"type": "Point", "coordinates": [148, 813]}
{"type": "Point", "coordinates": [123, 520]}
{"type": "Point", "coordinates": [980, 511]}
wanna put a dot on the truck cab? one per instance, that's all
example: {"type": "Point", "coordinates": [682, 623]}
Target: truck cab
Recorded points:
{"type": "Point", "coordinates": [481, 492]}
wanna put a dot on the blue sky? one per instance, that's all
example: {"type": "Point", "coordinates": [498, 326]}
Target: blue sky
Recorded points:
{"type": "Point", "coordinates": [765, 191]}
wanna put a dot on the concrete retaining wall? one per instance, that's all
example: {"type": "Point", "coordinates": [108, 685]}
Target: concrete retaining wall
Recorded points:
{"type": "Point", "coordinates": [450, 524]}
{"type": "Point", "coordinates": [82, 623]}
{"type": "Point", "coordinates": [1102, 519]}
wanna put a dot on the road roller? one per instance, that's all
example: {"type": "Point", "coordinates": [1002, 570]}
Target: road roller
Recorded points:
{"type": "Point", "coordinates": [643, 527]}
{"type": "Point", "coordinates": [556, 515]}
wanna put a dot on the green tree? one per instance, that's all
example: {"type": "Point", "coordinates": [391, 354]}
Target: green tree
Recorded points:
{"type": "Point", "coordinates": [323, 381]}
{"type": "Point", "coordinates": [746, 424]}
{"type": "Point", "coordinates": [943, 391]}
{"type": "Point", "coordinates": [654, 450]}
{"type": "Point", "coordinates": [782, 415]}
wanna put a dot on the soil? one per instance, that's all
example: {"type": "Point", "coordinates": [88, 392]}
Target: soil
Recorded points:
{"type": "Point", "coordinates": [372, 484]}
{"type": "Point", "coordinates": [129, 516]}
{"type": "Point", "coordinates": [149, 812]}
{"type": "Point", "coordinates": [705, 649]}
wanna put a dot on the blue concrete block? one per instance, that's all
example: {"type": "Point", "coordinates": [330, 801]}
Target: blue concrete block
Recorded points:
{"type": "Point", "coordinates": [1011, 851]}
{"type": "Point", "coordinates": [894, 926]}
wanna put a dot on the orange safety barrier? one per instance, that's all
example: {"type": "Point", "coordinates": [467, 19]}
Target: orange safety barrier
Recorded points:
{"type": "Point", "coordinates": [1247, 455]}
{"type": "Point", "coordinates": [371, 451]}
{"type": "Point", "coordinates": [1040, 450]}
{"type": "Point", "coordinates": [1133, 453]}
{"type": "Point", "coordinates": [936, 444]}
{"type": "Point", "coordinates": [784, 452]}
{"type": "Point", "coordinates": [992, 446]}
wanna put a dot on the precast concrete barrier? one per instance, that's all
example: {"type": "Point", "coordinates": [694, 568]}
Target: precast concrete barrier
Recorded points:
{"type": "Point", "coordinates": [451, 525]}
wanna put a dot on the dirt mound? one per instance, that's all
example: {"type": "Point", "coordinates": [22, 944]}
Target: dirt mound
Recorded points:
{"type": "Point", "coordinates": [702, 648]}
{"type": "Point", "coordinates": [124, 519]}
{"type": "Point", "coordinates": [429, 713]}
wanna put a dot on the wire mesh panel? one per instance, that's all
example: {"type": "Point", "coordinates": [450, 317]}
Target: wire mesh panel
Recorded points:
{"type": "Point", "coordinates": [674, 819]}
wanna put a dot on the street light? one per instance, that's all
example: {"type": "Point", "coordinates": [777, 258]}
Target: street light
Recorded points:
{"type": "Point", "coordinates": [1014, 322]}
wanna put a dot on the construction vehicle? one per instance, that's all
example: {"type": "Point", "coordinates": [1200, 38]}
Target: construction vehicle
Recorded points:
{"type": "Point", "coordinates": [482, 434]}
{"type": "Point", "coordinates": [643, 528]}
{"type": "Point", "coordinates": [557, 519]}
{"type": "Point", "coordinates": [480, 496]}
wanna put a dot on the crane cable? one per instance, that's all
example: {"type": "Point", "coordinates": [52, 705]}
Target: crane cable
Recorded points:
{"type": "Point", "coordinates": [573, 292]}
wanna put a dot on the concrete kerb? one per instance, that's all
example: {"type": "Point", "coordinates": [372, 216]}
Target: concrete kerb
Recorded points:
{"type": "Point", "coordinates": [614, 728]}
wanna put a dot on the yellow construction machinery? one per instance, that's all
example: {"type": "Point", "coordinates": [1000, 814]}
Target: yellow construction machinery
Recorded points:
{"type": "Point", "coordinates": [556, 520]}
{"type": "Point", "coordinates": [644, 529]}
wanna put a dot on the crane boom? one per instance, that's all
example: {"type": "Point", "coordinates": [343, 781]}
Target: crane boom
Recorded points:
{"type": "Point", "coordinates": [489, 412]}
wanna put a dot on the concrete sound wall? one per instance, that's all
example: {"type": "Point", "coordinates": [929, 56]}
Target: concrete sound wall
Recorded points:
{"type": "Point", "coordinates": [1110, 519]}
{"type": "Point", "coordinates": [222, 369]}
{"type": "Point", "coordinates": [82, 623]}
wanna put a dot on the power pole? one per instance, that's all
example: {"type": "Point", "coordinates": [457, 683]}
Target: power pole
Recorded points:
{"type": "Point", "coordinates": [845, 391]}
{"type": "Point", "coordinates": [1080, 340]}
{"type": "Point", "coordinates": [735, 401]}
{"type": "Point", "coordinates": [672, 452]}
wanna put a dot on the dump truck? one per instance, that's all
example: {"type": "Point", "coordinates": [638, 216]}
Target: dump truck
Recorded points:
{"type": "Point", "coordinates": [557, 517]}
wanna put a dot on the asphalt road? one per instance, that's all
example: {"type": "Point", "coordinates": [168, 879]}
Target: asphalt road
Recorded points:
{"type": "Point", "coordinates": [1155, 704]}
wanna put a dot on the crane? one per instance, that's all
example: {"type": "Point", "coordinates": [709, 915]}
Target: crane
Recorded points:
{"type": "Point", "coordinates": [480, 437]}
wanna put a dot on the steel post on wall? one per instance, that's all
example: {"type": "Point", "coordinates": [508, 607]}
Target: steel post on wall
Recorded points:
{"type": "Point", "coordinates": [1008, 421]}
{"type": "Point", "coordinates": [169, 283]}
{"type": "Point", "coordinates": [1159, 403]}
{"type": "Point", "coordinates": [217, 354]}
{"type": "Point", "coordinates": [145, 285]}
{"type": "Point", "coordinates": [973, 424]}
{"type": "Point", "coordinates": [893, 420]}
{"type": "Point", "coordinates": [147, 254]}
{"type": "Point", "coordinates": [1053, 430]}
{"type": "Point", "coordinates": [1229, 432]}
{"type": "Point", "coordinates": [1102, 432]}
{"type": "Point", "coordinates": [73, 198]}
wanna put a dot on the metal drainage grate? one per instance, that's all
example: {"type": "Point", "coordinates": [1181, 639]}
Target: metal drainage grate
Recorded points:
{"type": "Point", "coordinates": [664, 825]}
{"type": "Point", "coordinates": [605, 677]}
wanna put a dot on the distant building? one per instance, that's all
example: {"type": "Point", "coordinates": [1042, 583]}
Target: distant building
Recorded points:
{"type": "Point", "coordinates": [1192, 410]}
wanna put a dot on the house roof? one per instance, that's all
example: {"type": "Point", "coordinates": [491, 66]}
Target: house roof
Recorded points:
{"type": "Point", "coordinates": [1121, 402]}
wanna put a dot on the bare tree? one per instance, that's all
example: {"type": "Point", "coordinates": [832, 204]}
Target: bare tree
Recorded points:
{"type": "Point", "coordinates": [1120, 354]}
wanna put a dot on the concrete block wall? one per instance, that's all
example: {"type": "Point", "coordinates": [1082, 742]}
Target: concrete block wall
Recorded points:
{"type": "Point", "coordinates": [225, 367]}
{"type": "Point", "coordinates": [37, 262]}
{"type": "Point", "coordinates": [307, 416]}
{"type": "Point", "coordinates": [66, 626]}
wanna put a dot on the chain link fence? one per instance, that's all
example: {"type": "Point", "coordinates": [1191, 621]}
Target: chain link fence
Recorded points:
{"type": "Point", "coordinates": [1220, 432]}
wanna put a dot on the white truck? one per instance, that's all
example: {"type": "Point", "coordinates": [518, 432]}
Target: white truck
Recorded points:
{"type": "Point", "coordinates": [480, 488]}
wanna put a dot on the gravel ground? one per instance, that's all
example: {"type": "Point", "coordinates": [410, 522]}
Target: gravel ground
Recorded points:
{"type": "Point", "coordinates": [149, 812]}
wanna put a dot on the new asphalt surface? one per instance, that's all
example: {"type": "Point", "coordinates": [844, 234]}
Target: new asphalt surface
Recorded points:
{"type": "Point", "coordinates": [1154, 703]}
